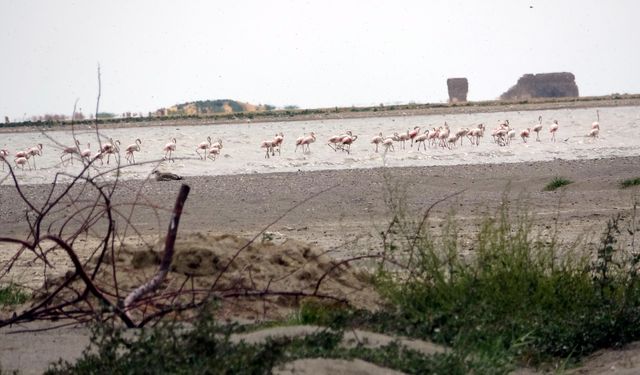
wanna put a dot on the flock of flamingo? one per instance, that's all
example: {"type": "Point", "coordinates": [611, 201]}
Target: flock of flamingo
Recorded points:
{"type": "Point", "coordinates": [443, 137]}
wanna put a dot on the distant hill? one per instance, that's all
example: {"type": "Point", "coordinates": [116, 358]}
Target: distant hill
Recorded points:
{"type": "Point", "coordinates": [203, 107]}
{"type": "Point", "coordinates": [543, 85]}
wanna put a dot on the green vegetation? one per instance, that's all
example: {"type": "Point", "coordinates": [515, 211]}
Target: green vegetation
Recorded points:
{"type": "Point", "coordinates": [519, 295]}
{"type": "Point", "coordinates": [556, 183]}
{"type": "Point", "coordinates": [518, 300]}
{"type": "Point", "coordinates": [12, 295]}
{"type": "Point", "coordinates": [208, 348]}
{"type": "Point", "coordinates": [630, 182]}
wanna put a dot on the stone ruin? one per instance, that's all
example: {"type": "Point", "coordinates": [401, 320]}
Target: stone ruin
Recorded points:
{"type": "Point", "coordinates": [458, 89]}
{"type": "Point", "coordinates": [543, 85]}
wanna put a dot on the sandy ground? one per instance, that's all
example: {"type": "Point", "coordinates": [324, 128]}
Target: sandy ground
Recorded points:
{"type": "Point", "coordinates": [347, 218]}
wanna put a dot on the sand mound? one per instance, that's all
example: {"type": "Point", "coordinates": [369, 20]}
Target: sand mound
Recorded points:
{"type": "Point", "coordinates": [267, 279]}
{"type": "Point", "coordinates": [274, 264]}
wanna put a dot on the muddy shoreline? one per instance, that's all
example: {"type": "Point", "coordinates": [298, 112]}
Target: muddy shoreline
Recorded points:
{"type": "Point", "coordinates": [355, 202]}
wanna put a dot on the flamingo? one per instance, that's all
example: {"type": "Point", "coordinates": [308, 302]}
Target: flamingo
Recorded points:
{"type": "Point", "coordinates": [413, 134]}
{"type": "Point", "coordinates": [433, 136]}
{"type": "Point", "coordinates": [214, 151]}
{"type": "Point", "coordinates": [525, 134]}
{"type": "Point", "coordinates": [462, 132]}
{"type": "Point", "coordinates": [443, 135]}
{"type": "Point", "coordinates": [277, 141]}
{"type": "Point", "coordinates": [553, 129]}
{"type": "Point", "coordinates": [537, 128]}
{"type": "Point", "coordinates": [596, 124]}
{"type": "Point", "coordinates": [451, 140]}
{"type": "Point", "coordinates": [33, 151]}
{"type": "Point", "coordinates": [347, 141]}
{"type": "Point", "coordinates": [388, 144]}
{"type": "Point", "coordinates": [268, 146]}
{"type": "Point", "coordinates": [334, 142]}
{"type": "Point", "coordinates": [22, 160]}
{"type": "Point", "coordinates": [70, 151]}
{"type": "Point", "coordinates": [402, 137]}
{"type": "Point", "coordinates": [421, 139]}
{"type": "Point", "coordinates": [110, 148]}
{"type": "Point", "coordinates": [131, 149]}
{"type": "Point", "coordinates": [100, 156]}
{"type": "Point", "coordinates": [306, 141]}
{"type": "Point", "coordinates": [476, 133]}
{"type": "Point", "coordinates": [3, 156]}
{"type": "Point", "coordinates": [203, 146]}
{"type": "Point", "coordinates": [377, 140]}
{"type": "Point", "coordinates": [594, 133]}
{"type": "Point", "coordinates": [169, 148]}
{"type": "Point", "coordinates": [86, 153]}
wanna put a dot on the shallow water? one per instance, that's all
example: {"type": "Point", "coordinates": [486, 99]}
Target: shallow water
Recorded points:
{"type": "Point", "coordinates": [619, 136]}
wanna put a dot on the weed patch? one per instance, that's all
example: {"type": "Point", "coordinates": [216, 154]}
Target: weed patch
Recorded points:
{"type": "Point", "coordinates": [630, 183]}
{"type": "Point", "coordinates": [517, 295]}
{"type": "Point", "coordinates": [12, 295]}
{"type": "Point", "coordinates": [556, 183]}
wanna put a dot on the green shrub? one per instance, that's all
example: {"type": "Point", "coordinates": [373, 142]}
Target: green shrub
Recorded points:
{"type": "Point", "coordinates": [556, 183]}
{"type": "Point", "coordinates": [630, 182]}
{"type": "Point", "coordinates": [12, 295]}
{"type": "Point", "coordinates": [207, 348]}
{"type": "Point", "coordinates": [517, 295]}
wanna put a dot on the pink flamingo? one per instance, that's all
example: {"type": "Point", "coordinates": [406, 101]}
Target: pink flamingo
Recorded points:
{"type": "Point", "coordinates": [131, 149]}
{"type": "Point", "coordinates": [421, 139]}
{"type": "Point", "coordinates": [86, 153]}
{"type": "Point", "coordinates": [461, 133]}
{"type": "Point", "coordinates": [110, 148]}
{"type": "Point", "coordinates": [70, 151]}
{"type": "Point", "coordinates": [433, 136]}
{"type": "Point", "coordinates": [537, 128]}
{"type": "Point", "coordinates": [553, 129]}
{"type": "Point", "coordinates": [268, 146]}
{"type": "Point", "coordinates": [306, 141]}
{"type": "Point", "coordinates": [169, 148]}
{"type": "Point", "coordinates": [596, 124]}
{"type": "Point", "coordinates": [347, 141]}
{"type": "Point", "coordinates": [22, 160]}
{"type": "Point", "coordinates": [33, 151]}
{"type": "Point", "coordinates": [525, 134]}
{"type": "Point", "coordinates": [402, 137]}
{"type": "Point", "coordinates": [203, 146]}
{"type": "Point", "coordinates": [277, 141]}
{"type": "Point", "coordinates": [3, 156]}
{"type": "Point", "coordinates": [388, 144]}
{"type": "Point", "coordinates": [377, 140]}
{"type": "Point", "coordinates": [214, 152]}
{"type": "Point", "coordinates": [413, 134]}
{"type": "Point", "coordinates": [334, 142]}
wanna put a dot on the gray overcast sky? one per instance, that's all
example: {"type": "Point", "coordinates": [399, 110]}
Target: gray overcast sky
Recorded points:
{"type": "Point", "coordinates": [158, 53]}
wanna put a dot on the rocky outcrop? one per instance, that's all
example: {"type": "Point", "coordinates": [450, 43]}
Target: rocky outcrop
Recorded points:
{"type": "Point", "coordinates": [458, 89]}
{"type": "Point", "coordinates": [543, 85]}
